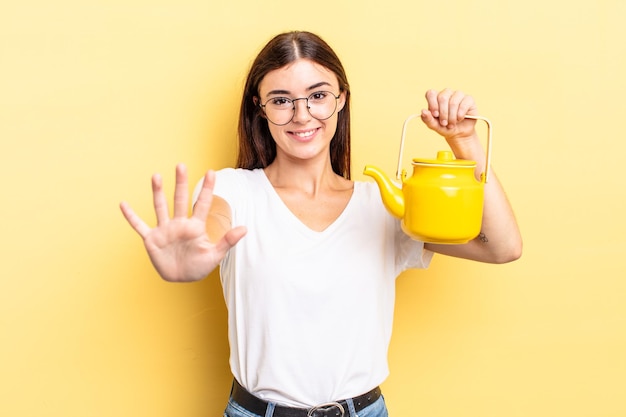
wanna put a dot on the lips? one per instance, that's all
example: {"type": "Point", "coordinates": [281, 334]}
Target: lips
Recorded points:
{"type": "Point", "coordinates": [304, 135]}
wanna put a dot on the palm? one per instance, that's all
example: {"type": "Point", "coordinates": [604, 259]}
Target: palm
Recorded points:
{"type": "Point", "coordinates": [180, 250]}
{"type": "Point", "coordinates": [179, 247]}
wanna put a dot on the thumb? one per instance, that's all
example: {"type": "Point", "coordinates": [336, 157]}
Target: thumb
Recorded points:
{"type": "Point", "coordinates": [231, 238]}
{"type": "Point", "coordinates": [429, 120]}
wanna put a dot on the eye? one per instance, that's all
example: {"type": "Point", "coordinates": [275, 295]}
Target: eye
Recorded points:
{"type": "Point", "coordinates": [319, 96]}
{"type": "Point", "coordinates": [281, 102]}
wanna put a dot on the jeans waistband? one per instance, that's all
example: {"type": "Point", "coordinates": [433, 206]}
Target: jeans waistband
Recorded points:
{"type": "Point", "coordinates": [333, 409]}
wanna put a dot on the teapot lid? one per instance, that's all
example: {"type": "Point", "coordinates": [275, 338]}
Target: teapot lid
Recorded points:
{"type": "Point", "coordinates": [445, 158]}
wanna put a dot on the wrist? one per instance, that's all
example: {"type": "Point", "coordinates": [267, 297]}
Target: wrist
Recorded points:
{"type": "Point", "coordinates": [470, 148]}
{"type": "Point", "coordinates": [467, 147]}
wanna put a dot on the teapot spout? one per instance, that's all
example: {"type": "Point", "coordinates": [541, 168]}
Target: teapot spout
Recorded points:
{"type": "Point", "coordinates": [392, 196]}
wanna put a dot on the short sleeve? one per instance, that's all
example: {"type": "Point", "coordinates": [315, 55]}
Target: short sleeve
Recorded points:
{"type": "Point", "coordinates": [229, 185]}
{"type": "Point", "coordinates": [409, 253]}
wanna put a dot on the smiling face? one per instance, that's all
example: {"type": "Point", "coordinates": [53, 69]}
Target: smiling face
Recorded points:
{"type": "Point", "coordinates": [304, 137]}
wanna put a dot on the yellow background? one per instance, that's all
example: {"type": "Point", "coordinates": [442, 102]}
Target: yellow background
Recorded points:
{"type": "Point", "coordinates": [95, 96]}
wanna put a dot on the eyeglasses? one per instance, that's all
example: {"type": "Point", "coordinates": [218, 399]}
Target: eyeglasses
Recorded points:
{"type": "Point", "coordinates": [280, 110]}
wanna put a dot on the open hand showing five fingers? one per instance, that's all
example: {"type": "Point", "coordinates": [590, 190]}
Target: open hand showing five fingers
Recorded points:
{"type": "Point", "coordinates": [179, 247]}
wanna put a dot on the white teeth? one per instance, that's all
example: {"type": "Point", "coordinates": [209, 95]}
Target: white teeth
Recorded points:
{"type": "Point", "coordinates": [304, 134]}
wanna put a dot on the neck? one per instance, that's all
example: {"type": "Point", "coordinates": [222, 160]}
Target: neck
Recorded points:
{"type": "Point", "coordinates": [311, 177]}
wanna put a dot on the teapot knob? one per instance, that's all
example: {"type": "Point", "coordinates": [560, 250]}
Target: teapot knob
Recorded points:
{"type": "Point", "coordinates": [445, 156]}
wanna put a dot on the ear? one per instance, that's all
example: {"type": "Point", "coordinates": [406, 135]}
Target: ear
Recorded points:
{"type": "Point", "coordinates": [261, 111]}
{"type": "Point", "coordinates": [342, 101]}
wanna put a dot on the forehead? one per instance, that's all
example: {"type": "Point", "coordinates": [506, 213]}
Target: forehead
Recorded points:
{"type": "Point", "coordinates": [297, 77]}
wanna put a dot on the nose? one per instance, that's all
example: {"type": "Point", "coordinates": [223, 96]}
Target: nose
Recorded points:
{"type": "Point", "coordinates": [301, 110]}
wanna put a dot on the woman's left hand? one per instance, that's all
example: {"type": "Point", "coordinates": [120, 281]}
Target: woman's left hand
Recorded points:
{"type": "Point", "coordinates": [446, 113]}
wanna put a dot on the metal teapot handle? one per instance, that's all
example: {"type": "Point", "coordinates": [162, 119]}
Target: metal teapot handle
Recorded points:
{"type": "Point", "coordinates": [484, 176]}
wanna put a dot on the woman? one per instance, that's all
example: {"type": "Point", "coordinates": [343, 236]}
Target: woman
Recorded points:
{"type": "Point", "coordinates": [311, 287]}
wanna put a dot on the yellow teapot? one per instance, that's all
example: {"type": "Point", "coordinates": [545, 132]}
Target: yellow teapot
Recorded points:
{"type": "Point", "coordinates": [442, 202]}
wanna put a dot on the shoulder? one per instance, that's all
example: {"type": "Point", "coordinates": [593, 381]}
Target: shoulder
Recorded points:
{"type": "Point", "coordinates": [228, 177]}
{"type": "Point", "coordinates": [237, 185]}
{"type": "Point", "coordinates": [238, 174]}
{"type": "Point", "coordinates": [231, 181]}
{"type": "Point", "coordinates": [367, 191]}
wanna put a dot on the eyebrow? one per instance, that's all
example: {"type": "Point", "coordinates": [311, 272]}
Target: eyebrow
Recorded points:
{"type": "Point", "coordinates": [286, 92]}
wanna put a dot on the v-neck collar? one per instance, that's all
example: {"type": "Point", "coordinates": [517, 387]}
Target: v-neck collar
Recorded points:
{"type": "Point", "coordinates": [292, 218]}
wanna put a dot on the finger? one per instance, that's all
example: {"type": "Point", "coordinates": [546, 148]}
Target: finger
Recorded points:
{"type": "Point", "coordinates": [159, 201]}
{"type": "Point", "coordinates": [230, 239]}
{"type": "Point", "coordinates": [429, 120]}
{"type": "Point", "coordinates": [205, 198]}
{"type": "Point", "coordinates": [433, 104]}
{"type": "Point", "coordinates": [453, 108]}
{"type": "Point", "coordinates": [443, 99]}
{"type": "Point", "coordinates": [181, 192]}
{"type": "Point", "coordinates": [467, 106]}
{"type": "Point", "coordinates": [135, 221]}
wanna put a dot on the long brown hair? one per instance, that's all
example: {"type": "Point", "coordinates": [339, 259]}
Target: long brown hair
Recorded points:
{"type": "Point", "coordinates": [257, 149]}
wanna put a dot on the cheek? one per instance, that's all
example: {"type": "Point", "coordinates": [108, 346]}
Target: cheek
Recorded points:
{"type": "Point", "coordinates": [331, 127]}
{"type": "Point", "coordinates": [274, 131]}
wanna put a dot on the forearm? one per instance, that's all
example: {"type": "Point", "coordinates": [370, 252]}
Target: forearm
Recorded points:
{"type": "Point", "coordinates": [499, 240]}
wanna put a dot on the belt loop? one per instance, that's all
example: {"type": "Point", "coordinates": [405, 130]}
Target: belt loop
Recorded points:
{"type": "Point", "coordinates": [269, 411]}
{"type": "Point", "coordinates": [351, 408]}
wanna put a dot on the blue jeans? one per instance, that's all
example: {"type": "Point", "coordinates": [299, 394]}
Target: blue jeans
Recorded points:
{"type": "Point", "coordinates": [378, 409]}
